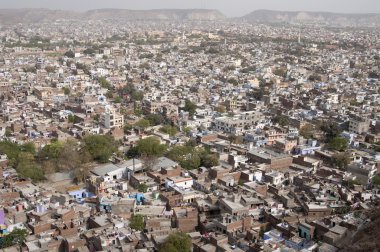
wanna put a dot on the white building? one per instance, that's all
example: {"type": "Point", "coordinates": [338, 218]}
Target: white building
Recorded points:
{"type": "Point", "coordinates": [111, 119]}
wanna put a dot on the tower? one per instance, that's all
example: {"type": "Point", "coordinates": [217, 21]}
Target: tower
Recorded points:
{"type": "Point", "coordinates": [299, 36]}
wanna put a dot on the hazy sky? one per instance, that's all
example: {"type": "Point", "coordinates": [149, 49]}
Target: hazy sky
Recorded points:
{"type": "Point", "coordinates": [228, 7]}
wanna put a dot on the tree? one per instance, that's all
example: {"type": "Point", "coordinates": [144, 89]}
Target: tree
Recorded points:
{"type": "Point", "coordinates": [21, 157]}
{"type": "Point", "coordinates": [127, 127]}
{"type": "Point", "coordinates": [66, 90]}
{"type": "Point", "coordinates": [172, 131]}
{"type": "Point", "coordinates": [104, 83]}
{"type": "Point", "coordinates": [351, 183]}
{"type": "Point", "coordinates": [220, 109]}
{"type": "Point", "coordinates": [209, 160]}
{"type": "Point", "coordinates": [78, 156]}
{"type": "Point", "coordinates": [233, 81]}
{"type": "Point", "coordinates": [89, 51]}
{"type": "Point", "coordinates": [190, 107]}
{"type": "Point", "coordinates": [71, 118]}
{"type": "Point", "coordinates": [137, 222]}
{"type": "Point", "coordinates": [307, 131]}
{"type": "Point", "coordinates": [280, 72]}
{"type": "Point", "coordinates": [264, 228]}
{"type": "Point", "coordinates": [330, 129]}
{"type": "Point", "coordinates": [341, 160]}
{"type": "Point", "coordinates": [51, 151]}
{"type": "Point", "coordinates": [50, 69]}
{"type": "Point", "coordinates": [338, 144]}
{"type": "Point", "coordinates": [191, 161]}
{"type": "Point", "coordinates": [118, 99]}
{"type": "Point", "coordinates": [143, 124]}
{"type": "Point", "coordinates": [148, 161]}
{"type": "Point", "coordinates": [27, 168]}
{"type": "Point", "coordinates": [69, 54]}
{"type": "Point", "coordinates": [282, 120]}
{"type": "Point", "coordinates": [142, 188]}
{"type": "Point", "coordinates": [155, 119]}
{"type": "Point", "coordinates": [81, 172]}
{"type": "Point", "coordinates": [16, 237]}
{"type": "Point", "coordinates": [176, 242]}
{"type": "Point", "coordinates": [376, 180]}
{"type": "Point", "coordinates": [8, 132]}
{"type": "Point", "coordinates": [187, 130]}
{"type": "Point", "coordinates": [100, 147]}
{"type": "Point", "coordinates": [233, 139]}
{"type": "Point", "coordinates": [150, 146]}
{"type": "Point", "coordinates": [259, 94]}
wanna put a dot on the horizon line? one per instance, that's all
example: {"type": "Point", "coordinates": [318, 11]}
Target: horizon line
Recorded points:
{"type": "Point", "coordinates": [209, 9]}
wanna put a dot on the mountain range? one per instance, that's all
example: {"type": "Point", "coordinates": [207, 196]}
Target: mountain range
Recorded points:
{"type": "Point", "coordinates": [339, 19]}
{"type": "Point", "coordinates": [12, 16]}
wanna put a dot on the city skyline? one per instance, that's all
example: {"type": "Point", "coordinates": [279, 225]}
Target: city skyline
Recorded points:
{"type": "Point", "coordinates": [229, 8]}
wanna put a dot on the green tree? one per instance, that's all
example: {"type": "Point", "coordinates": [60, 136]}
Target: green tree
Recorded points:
{"type": "Point", "coordinates": [376, 180]}
{"type": "Point", "coordinates": [69, 54]}
{"type": "Point", "coordinates": [89, 51]}
{"type": "Point", "coordinates": [14, 151]}
{"type": "Point", "coordinates": [8, 132]}
{"type": "Point", "coordinates": [259, 94]}
{"type": "Point", "coordinates": [307, 131]}
{"type": "Point", "coordinates": [191, 161]}
{"type": "Point", "coordinates": [155, 119]}
{"type": "Point", "coordinates": [143, 124]}
{"type": "Point", "coordinates": [104, 83]}
{"type": "Point", "coordinates": [282, 120]}
{"type": "Point", "coordinates": [100, 147]}
{"type": "Point", "coordinates": [338, 144]}
{"type": "Point", "coordinates": [190, 107]}
{"type": "Point", "coordinates": [127, 127]}
{"type": "Point", "coordinates": [66, 90]}
{"type": "Point", "coordinates": [176, 242]}
{"type": "Point", "coordinates": [16, 237]}
{"type": "Point", "coordinates": [51, 151]}
{"type": "Point", "coordinates": [30, 170]}
{"type": "Point", "coordinates": [331, 130]}
{"type": "Point", "coordinates": [187, 130]}
{"type": "Point", "coordinates": [351, 183]}
{"type": "Point", "coordinates": [118, 99]}
{"type": "Point", "coordinates": [142, 188]}
{"type": "Point", "coordinates": [280, 72]}
{"type": "Point", "coordinates": [137, 222]}
{"type": "Point", "coordinates": [71, 119]}
{"type": "Point", "coordinates": [172, 131]}
{"type": "Point", "coordinates": [233, 81]}
{"type": "Point", "coordinates": [209, 160]}
{"type": "Point", "coordinates": [151, 146]}
{"type": "Point", "coordinates": [341, 160]}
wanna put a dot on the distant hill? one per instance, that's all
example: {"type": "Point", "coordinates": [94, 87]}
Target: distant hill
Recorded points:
{"type": "Point", "coordinates": [339, 19]}
{"type": "Point", "coordinates": [11, 16]}
{"type": "Point", "coordinates": [170, 14]}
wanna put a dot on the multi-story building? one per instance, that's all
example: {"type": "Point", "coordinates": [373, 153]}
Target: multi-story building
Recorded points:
{"type": "Point", "coordinates": [359, 125]}
{"type": "Point", "coordinates": [112, 119]}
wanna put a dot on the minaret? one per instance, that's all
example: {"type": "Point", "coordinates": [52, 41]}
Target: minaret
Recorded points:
{"type": "Point", "coordinates": [299, 36]}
